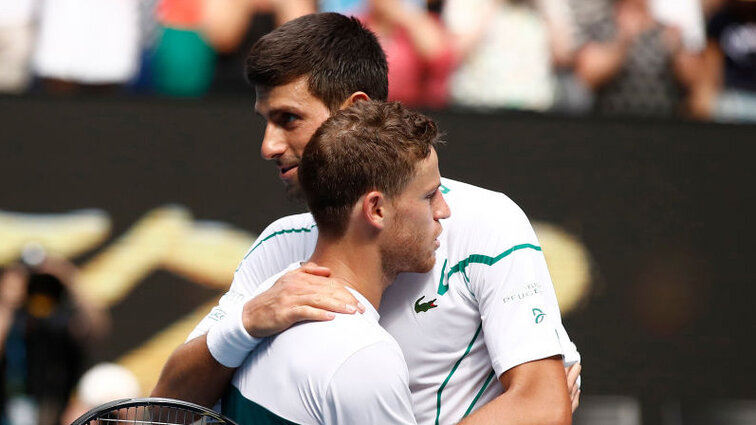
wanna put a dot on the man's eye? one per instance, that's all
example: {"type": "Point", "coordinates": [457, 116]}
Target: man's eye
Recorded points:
{"type": "Point", "coordinates": [286, 119]}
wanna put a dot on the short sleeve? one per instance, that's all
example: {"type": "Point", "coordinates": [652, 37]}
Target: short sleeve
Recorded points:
{"type": "Point", "coordinates": [370, 387]}
{"type": "Point", "coordinates": [287, 240]}
{"type": "Point", "coordinates": [518, 307]}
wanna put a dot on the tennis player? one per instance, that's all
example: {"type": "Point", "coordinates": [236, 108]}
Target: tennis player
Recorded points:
{"type": "Point", "coordinates": [486, 312]}
{"type": "Point", "coordinates": [370, 177]}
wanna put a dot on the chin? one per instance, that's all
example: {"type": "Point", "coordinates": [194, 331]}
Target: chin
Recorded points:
{"type": "Point", "coordinates": [428, 266]}
{"type": "Point", "coordinates": [294, 192]}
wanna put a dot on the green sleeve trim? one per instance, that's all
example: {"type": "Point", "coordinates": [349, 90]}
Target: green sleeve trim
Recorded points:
{"type": "Point", "coordinates": [454, 369]}
{"type": "Point", "coordinates": [443, 286]}
{"type": "Point", "coordinates": [273, 235]}
{"type": "Point", "coordinates": [281, 232]}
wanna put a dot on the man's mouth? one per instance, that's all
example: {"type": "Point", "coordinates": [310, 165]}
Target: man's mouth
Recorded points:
{"type": "Point", "coordinates": [287, 171]}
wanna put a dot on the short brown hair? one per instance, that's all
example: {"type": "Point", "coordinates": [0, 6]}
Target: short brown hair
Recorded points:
{"type": "Point", "coordinates": [337, 54]}
{"type": "Point", "coordinates": [371, 145]}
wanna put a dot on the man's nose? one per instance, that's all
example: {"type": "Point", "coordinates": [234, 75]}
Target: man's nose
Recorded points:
{"type": "Point", "coordinates": [442, 208]}
{"type": "Point", "coordinates": [272, 144]}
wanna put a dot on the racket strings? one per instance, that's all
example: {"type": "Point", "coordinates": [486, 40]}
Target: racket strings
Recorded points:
{"type": "Point", "coordinates": [153, 415]}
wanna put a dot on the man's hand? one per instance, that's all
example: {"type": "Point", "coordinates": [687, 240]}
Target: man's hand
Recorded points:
{"type": "Point", "coordinates": [307, 293]}
{"type": "Point", "coordinates": [573, 373]}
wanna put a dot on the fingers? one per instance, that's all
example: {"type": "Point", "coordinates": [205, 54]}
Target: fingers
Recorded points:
{"type": "Point", "coordinates": [319, 291]}
{"type": "Point", "coordinates": [305, 312]}
{"type": "Point", "coordinates": [573, 373]}
{"type": "Point", "coordinates": [315, 269]}
{"type": "Point", "coordinates": [575, 400]}
{"type": "Point", "coordinates": [298, 295]}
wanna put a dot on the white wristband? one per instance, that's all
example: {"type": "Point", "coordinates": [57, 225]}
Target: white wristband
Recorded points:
{"type": "Point", "coordinates": [229, 342]}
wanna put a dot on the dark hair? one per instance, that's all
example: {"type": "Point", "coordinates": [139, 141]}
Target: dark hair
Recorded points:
{"type": "Point", "coordinates": [371, 145]}
{"type": "Point", "coordinates": [337, 54]}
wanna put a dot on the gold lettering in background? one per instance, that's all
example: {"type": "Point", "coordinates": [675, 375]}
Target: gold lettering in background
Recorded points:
{"type": "Point", "coordinates": [167, 238]}
{"type": "Point", "coordinates": [206, 253]}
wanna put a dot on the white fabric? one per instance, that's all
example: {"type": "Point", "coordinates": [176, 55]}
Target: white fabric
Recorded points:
{"type": "Point", "coordinates": [687, 15]}
{"type": "Point", "coordinates": [16, 44]}
{"type": "Point", "coordinates": [228, 341]}
{"type": "Point", "coordinates": [16, 12]}
{"type": "Point", "coordinates": [345, 371]}
{"type": "Point", "coordinates": [88, 41]}
{"type": "Point", "coordinates": [509, 65]}
{"type": "Point", "coordinates": [452, 358]}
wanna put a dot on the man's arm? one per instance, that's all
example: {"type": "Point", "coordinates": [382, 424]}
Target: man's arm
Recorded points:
{"type": "Point", "coordinates": [192, 374]}
{"type": "Point", "coordinates": [307, 293]}
{"type": "Point", "coordinates": [534, 393]}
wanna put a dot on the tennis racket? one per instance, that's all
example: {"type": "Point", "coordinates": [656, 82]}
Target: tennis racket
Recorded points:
{"type": "Point", "coordinates": [151, 411]}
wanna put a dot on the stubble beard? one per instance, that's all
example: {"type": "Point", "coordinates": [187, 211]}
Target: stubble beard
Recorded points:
{"type": "Point", "coordinates": [407, 254]}
{"type": "Point", "coordinates": [294, 191]}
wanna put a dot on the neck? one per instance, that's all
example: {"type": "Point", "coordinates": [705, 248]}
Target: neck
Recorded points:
{"type": "Point", "coordinates": [355, 264]}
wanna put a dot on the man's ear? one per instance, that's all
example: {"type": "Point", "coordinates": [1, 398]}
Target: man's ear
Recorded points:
{"type": "Point", "coordinates": [374, 209]}
{"type": "Point", "coordinates": [353, 98]}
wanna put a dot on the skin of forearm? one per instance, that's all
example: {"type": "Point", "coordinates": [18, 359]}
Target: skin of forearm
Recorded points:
{"type": "Point", "coordinates": [6, 320]}
{"type": "Point", "coordinates": [224, 22]}
{"type": "Point", "coordinates": [706, 83]}
{"type": "Point", "coordinates": [518, 409]}
{"type": "Point", "coordinates": [426, 34]}
{"type": "Point", "coordinates": [598, 63]}
{"type": "Point", "coordinates": [535, 394]}
{"type": "Point", "coordinates": [192, 374]}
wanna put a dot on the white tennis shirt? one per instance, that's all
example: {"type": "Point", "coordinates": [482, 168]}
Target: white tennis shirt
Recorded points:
{"type": "Point", "coordinates": [488, 304]}
{"type": "Point", "coordinates": [345, 371]}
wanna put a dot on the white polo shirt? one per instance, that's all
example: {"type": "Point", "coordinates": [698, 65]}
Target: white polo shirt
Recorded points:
{"type": "Point", "coordinates": [345, 371]}
{"type": "Point", "coordinates": [488, 304]}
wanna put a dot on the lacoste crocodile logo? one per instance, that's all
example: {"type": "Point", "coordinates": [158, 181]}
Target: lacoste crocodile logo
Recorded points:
{"type": "Point", "coordinates": [422, 307]}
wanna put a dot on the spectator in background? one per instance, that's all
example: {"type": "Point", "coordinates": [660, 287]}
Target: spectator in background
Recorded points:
{"type": "Point", "coordinates": [726, 87]}
{"type": "Point", "coordinates": [100, 384]}
{"type": "Point", "coordinates": [635, 64]}
{"type": "Point", "coordinates": [418, 51]}
{"type": "Point", "coordinates": [571, 95]}
{"type": "Point", "coordinates": [87, 44]}
{"type": "Point", "coordinates": [232, 31]}
{"type": "Point", "coordinates": [504, 53]}
{"type": "Point", "coordinates": [45, 325]}
{"type": "Point", "coordinates": [209, 36]}
{"type": "Point", "coordinates": [183, 60]}
{"type": "Point", "coordinates": [16, 44]}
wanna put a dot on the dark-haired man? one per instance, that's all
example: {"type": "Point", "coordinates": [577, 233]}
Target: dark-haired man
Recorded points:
{"type": "Point", "coordinates": [370, 177]}
{"type": "Point", "coordinates": [486, 312]}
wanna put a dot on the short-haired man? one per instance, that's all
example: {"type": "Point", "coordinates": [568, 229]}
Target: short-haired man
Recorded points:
{"type": "Point", "coordinates": [370, 177]}
{"type": "Point", "coordinates": [486, 312]}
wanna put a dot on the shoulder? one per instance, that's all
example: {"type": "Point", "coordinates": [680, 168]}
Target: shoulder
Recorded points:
{"type": "Point", "coordinates": [286, 240]}
{"type": "Point", "coordinates": [297, 224]}
{"type": "Point", "coordinates": [479, 212]}
{"type": "Point", "coordinates": [333, 342]}
{"type": "Point", "coordinates": [285, 231]}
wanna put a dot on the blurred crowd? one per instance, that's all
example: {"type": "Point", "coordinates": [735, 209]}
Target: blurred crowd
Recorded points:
{"type": "Point", "coordinates": [47, 326]}
{"type": "Point", "coordinates": [661, 58]}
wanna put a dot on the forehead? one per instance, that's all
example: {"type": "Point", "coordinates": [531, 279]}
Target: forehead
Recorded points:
{"type": "Point", "coordinates": [427, 175]}
{"type": "Point", "coordinates": [295, 94]}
